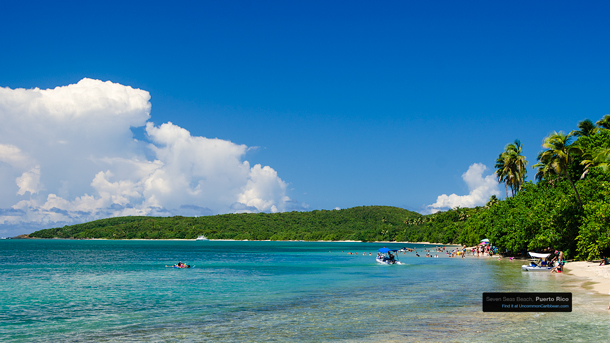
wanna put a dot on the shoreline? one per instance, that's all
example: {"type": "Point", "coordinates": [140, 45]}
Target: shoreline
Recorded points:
{"type": "Point", "coordinates": [595, 277]}
{"type": "Point", "coordinates": [231, 240]}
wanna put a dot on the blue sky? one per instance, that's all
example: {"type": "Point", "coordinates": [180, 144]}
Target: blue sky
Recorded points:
{"type": "Point", "coordinates": [349, 103]}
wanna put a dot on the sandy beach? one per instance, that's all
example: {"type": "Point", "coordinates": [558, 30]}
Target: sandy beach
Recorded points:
{"type": "Point", "coordinates": [595, 277]}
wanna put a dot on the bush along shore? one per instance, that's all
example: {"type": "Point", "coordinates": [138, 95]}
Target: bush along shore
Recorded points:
{"type": "Point", "coordinates": [567, 208]}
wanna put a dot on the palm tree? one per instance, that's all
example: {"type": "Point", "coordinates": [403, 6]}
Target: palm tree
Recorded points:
{"type": "Point", "coordinates": [587, 128]}
{"type": "Point", "coordinates": [604, 122]}
{"type": "Point", "coordinates": [511, 167]}
{"type": "Point", "coordinates": [557, 157]}
{"type": "Point", "coordinates": [545, 169]}
{"type": "Point", "coordinates": [502, 171]}
{"type": "Point", "coordinates": [599, 158]}
{"type": "Point", "coordinates": [492, 201]}
{"type": "Point", "coordinates": [519, 163]}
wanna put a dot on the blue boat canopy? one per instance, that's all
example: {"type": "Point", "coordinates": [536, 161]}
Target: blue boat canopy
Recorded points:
{"type": "Point", "coordinates": [385, 250]}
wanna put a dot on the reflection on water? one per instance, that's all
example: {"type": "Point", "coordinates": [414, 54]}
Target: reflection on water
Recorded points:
{"type": "Point", "coordinates": [271, 291]}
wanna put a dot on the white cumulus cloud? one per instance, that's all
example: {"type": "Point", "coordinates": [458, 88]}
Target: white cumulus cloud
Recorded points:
{"type": "Point", "coordinates": [13, 156]}
{"type": "Point", "coordinates": [68, 155]}
{"type": "Point", "coordinates": [29, 181]}
{"type": "Point", "coordinates": [480, 189]}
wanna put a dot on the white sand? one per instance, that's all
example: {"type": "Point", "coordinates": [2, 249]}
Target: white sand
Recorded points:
{"type": "Point", "coordinates": [597, 277]}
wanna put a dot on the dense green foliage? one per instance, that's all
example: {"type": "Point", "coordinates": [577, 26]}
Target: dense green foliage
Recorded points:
{"type": "Point", "coordinates": [567, 209]}
{"type": "Point", "coordinates": [369, 223]}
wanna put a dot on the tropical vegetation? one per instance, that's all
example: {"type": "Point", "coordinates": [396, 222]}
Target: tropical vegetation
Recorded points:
{"type": "Point", "coordinates": [511, 167]}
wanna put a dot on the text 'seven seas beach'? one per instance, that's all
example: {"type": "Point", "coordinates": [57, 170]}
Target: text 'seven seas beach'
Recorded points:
{"type": "Point", "coordinates": [107, 291]}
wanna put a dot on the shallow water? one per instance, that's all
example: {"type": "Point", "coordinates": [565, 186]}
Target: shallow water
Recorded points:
{"type": "Point", "coordinates": [107, 291]}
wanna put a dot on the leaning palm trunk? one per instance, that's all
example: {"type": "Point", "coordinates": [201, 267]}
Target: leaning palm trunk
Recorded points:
{"type": "Point", "coordinates": [575, 191]}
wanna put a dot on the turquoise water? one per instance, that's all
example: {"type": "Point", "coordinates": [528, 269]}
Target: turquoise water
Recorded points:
{"type": "Point", "coordinates": [121, 291]}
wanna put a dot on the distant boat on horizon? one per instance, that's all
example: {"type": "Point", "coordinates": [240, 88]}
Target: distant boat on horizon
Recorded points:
{"type": "Point", "coordinates": [202, 238]}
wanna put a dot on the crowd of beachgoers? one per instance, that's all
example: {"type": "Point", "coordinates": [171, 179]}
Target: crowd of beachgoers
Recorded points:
{"type": "Point", "coordinates": [449, 251]}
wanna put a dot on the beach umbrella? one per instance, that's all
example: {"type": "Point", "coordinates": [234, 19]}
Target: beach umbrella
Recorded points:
{"type": "Point", "coordinates": [485, 240]}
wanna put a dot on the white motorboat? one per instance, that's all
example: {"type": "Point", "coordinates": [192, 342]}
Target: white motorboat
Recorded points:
{"type": "Point", "coordinates": [202, 238]}
{"type": "Point", "coordinates": [538, 263]}
{"type": "Point", "coordinates": [385, 256]}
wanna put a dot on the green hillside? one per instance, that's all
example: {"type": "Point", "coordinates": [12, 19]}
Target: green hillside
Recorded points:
{"type": "Point", "coordinates": [367, 223]}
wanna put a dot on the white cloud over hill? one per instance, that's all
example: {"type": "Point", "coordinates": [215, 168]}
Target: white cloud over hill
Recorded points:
{"type": "Point", "coordinates": [68, 155]}
{"type": "Point", "coordinates": [481, 189]}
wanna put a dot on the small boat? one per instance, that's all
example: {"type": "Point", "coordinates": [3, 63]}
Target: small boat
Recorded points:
{"type": "Point", "coordinates": [202, 238]}
{"type": "Point", "coordinates": [385, 256]}
{"type": "Point", "coordinates": [537, 264]}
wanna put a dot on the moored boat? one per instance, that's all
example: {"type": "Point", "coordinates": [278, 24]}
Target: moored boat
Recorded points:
{"type": "Point", "coordinates": [537, 264]}
{"type": "Point", "coordinates": [385, 256]}
{"type": "Point", "coordinates": [202, 238]}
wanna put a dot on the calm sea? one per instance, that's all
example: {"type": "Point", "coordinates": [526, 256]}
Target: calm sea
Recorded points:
{"type": "Point", "coordinates": [121, 291]}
